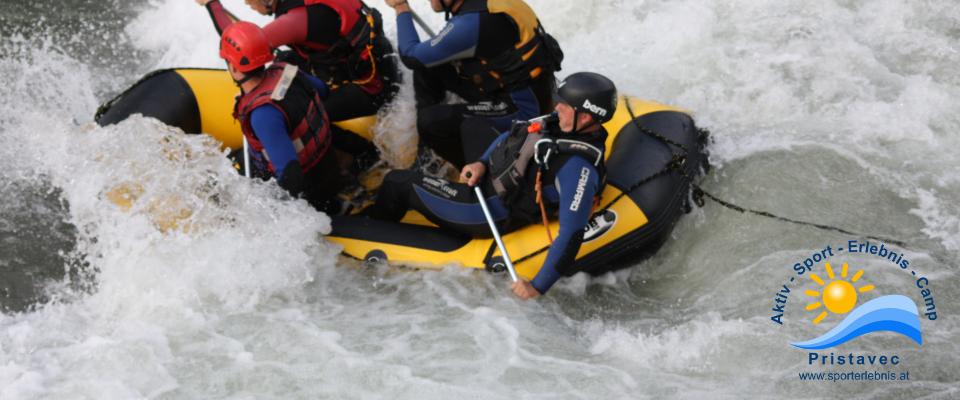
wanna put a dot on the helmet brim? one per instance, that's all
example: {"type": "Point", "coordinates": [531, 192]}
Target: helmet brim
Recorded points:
{"type": "Point", "coordinates": [557, 98]}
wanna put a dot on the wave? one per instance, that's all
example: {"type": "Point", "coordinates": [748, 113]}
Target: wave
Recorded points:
{"type": "Point", "coordinates": [894, 313]}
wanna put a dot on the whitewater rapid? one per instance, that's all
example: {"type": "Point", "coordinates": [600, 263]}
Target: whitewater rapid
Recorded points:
{"type": "Point", "coordinates": [836, 111]}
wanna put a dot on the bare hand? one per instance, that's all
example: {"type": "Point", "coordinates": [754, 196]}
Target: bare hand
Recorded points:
{"type": "Point", "coordinates": [524, 290]}
{"type": "Point", "coordinates": [396, 3]}
{"type": "Point", "coordinates": [471, 173]}
{"type": "Point", "coordinates": [203, 2]}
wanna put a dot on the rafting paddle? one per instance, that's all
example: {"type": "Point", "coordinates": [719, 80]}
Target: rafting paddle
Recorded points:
{"type": "Point", "coordinates": [423, 25]}
{"type": "Point", "coordinates": [246, 157]}
{"type": "Point", "coordinates": [494, 231]}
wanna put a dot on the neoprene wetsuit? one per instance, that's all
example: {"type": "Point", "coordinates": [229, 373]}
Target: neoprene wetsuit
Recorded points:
{"type": "Point", "coordinates": [454, 206]}
{"type": "Point", "coordinates": [466, 36]}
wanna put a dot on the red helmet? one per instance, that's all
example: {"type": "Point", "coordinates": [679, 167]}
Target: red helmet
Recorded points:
{"type": "Point", "coordinates": [245, 46]}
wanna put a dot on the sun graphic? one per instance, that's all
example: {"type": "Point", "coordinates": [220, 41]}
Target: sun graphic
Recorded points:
{"type": "Point", "coordinates": [839, 296]}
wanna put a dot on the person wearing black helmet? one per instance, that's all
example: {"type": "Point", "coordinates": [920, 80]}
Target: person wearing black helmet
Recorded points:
{"type": "Point", "coordinates": [494, 54]}
{"type": "Point", "coordinates": [562, 154]}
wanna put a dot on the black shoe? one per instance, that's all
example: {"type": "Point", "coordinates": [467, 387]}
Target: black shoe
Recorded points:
{"type": "Point", "coordinates": [428, 162]}
{"type": "Point", "coordinates": [364, 161]}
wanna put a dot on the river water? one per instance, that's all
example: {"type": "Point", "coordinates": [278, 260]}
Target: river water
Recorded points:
{"type": "Point", "coordinates": [840, 112]}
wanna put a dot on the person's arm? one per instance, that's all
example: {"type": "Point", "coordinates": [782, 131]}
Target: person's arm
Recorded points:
{"type": "Point", "coordinates": [458, 40]}
{"type": "Point", "coordinates": [220, 16]}
{"type": "Point", "coordinates": [322, 89]}
{"type": "Point", "coordinates": [578, 181]}
{"type": "Point", "coordinates": [270, 127]}
{"type": "Point", "coordinates": [288, 29]}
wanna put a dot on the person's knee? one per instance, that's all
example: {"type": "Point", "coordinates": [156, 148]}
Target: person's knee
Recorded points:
{"type": "Point", "coordinates": [391, 202]}
{"type": "Point", "coordinates": [397, 180]}
{"type": "Point", "coordinates": [476, 134]}
{"type": "Point", "coordinates": [438, 121]}
{"type": "Point", "coordinates": [350, 101]}
{"type": "Point", "coordinates": [478, 126]}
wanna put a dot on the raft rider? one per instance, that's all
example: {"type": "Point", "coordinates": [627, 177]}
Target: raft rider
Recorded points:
{"type": "Point", "coordinates": [492, 53]}
{"type": "Point", "coordinates": [282, 117]}
{"type": "Point", "coordinates": [340, 42]}
{"type": "Point", "coordinates": [563, 159]}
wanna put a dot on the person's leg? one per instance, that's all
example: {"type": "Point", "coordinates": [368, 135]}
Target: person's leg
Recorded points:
{"type": "Point", "coordinates": [348, 102]}
{"type": "Point", "coordinates": [449, 205]}
{"type": "Point", "coordinates": [463, 133]}
{"type": "Point", "coordinates": [322, 185]}
{"type": "Point", "coordinates": [476, 135]}
{"type": "Point", "coordinates": [440, 126]}
{"type": "Point", "coordinates": [439, 129]}
{"type": "Point", "coordinates": [431, 85]}
{"type": "Point", "coordinates": [454, 206]}
{"type": "Point", "coordinates": [393, 195]}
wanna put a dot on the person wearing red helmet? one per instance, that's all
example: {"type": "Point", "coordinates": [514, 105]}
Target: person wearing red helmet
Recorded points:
{"type": "Point", "coordinates": [342, 43]}
{"type": "Point", "coordinates": [282, 117]}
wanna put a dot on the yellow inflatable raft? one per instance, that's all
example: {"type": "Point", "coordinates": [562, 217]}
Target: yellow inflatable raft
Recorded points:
{"type": "Point", "coordinates": [654, 151]}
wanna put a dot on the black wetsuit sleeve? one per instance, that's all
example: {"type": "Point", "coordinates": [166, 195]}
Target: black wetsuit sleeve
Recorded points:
{"type": "Point", "coordinates": [577, 182]}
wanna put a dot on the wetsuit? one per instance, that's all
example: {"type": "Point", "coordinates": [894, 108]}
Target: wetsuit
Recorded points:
{"type": "Point", "coordinates": [480, 33]}
{"type": "Point", "coordinates": [279, 157]}
{"type": "Point", "coordinates": [569, 190]}
{"type": "Point", "coordinates": [311, 31]}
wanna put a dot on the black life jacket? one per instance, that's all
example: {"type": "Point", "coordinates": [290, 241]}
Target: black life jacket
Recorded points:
{"type": "Point", "coordinates": [356, 57]}
{"type": "Point", "coordinates": [514, 163]}
{"type": "Point", "coordinates": [535, 54]}
{"type": "Point", "coordinates": [287, 90]}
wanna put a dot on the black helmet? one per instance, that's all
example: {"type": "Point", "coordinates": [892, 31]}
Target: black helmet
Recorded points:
{"type": "Point", "coordinates": [589, 92]}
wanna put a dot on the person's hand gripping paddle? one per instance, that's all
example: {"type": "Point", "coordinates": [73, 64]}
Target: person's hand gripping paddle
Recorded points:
{"type": "Point", "coordinates": [471, 175]}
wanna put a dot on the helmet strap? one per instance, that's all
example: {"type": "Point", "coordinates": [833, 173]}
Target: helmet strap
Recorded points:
{"type": "Point", "coordinates": [576, 121]}
{"type": "Point", "coordinates": [247, 77]}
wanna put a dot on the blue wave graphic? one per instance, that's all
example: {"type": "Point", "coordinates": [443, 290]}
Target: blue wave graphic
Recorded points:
{"type": "Point", "coordinates": [894, 313]}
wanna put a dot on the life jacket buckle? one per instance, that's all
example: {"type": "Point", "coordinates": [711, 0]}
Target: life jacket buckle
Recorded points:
{"type": "Point", "coordinates": [544, 149]}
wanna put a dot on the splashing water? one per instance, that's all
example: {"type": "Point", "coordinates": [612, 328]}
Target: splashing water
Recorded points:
{"type": "Point", "coordinates": [843, 112]}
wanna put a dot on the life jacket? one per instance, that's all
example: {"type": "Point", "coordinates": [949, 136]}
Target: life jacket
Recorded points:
{"type": "Point", "coordinates": [309, 127]}
{"type": "Point", "coordinates": [356, 55]}
{"type": "Point", "coordinates": [535, 54]}
{"type": "Point", "coordinates": [514, 163]}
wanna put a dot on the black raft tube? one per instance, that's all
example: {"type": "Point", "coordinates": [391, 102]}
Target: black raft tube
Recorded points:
{"type": "Point", "coordinates": [163, 95]}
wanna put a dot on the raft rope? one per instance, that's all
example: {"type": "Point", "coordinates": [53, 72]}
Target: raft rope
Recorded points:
{"type": "Point", "coordinates": [543, 211]}
{"type": "Point", "coordinates": [678, 162]}
{"type": "Point", "coordinates": [698, 192]}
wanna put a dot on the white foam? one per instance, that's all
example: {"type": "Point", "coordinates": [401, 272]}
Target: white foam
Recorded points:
{"type": "Point", "coordinates": [183, 34]}
{"type": "Point", "coordinates": [249, 303]}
